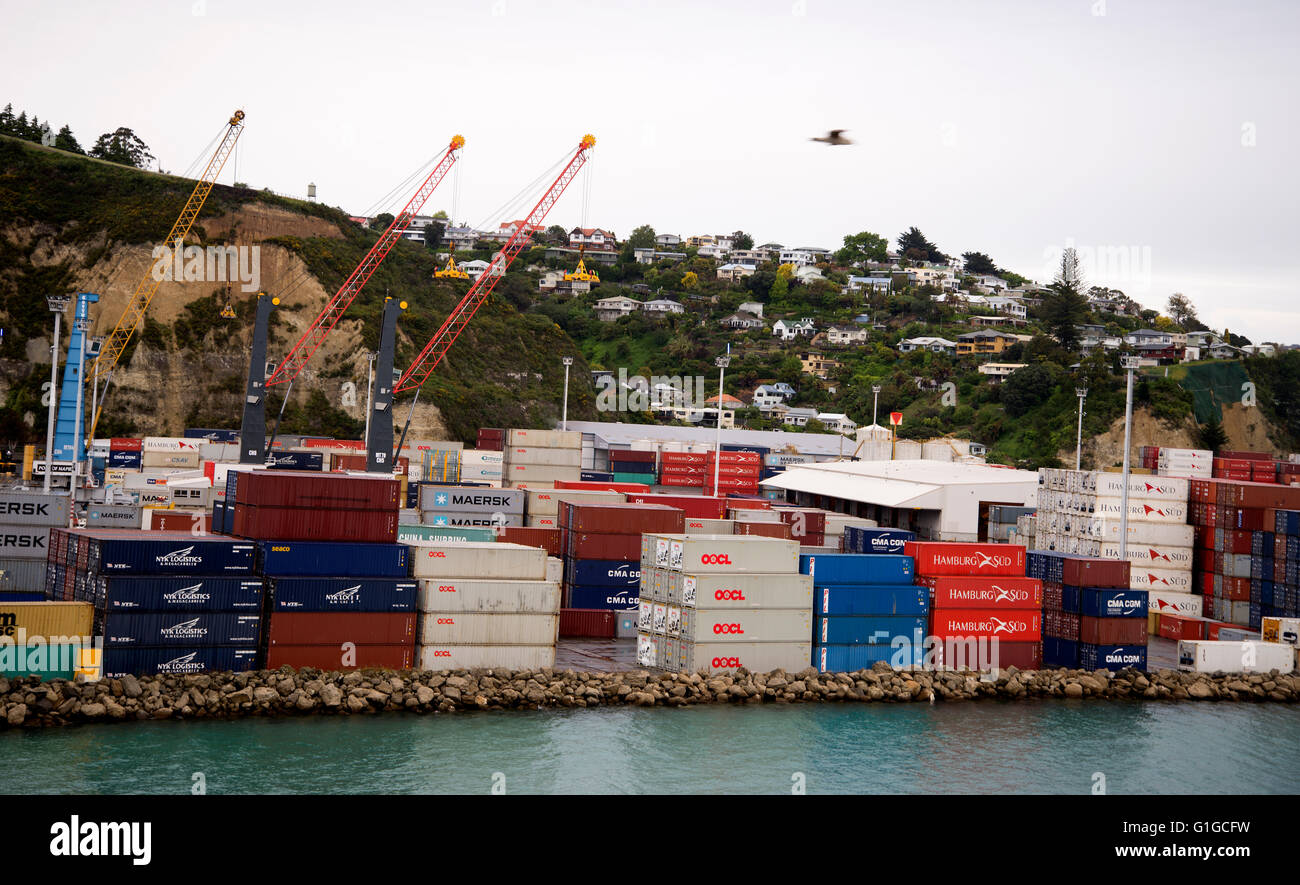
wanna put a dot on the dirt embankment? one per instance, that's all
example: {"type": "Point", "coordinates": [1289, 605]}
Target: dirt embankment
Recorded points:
{"type": "Point", "coordinates": [1246, 427]}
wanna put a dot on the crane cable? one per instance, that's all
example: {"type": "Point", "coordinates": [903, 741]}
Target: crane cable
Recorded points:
{"type": "Point", "coordinates": [514, 203]}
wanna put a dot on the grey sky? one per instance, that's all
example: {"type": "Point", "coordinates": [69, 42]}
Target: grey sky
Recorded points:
{"type": "Point", "coordinates": [1004, 127]}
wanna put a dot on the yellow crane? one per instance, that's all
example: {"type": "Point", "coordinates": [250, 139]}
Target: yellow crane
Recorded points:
{"type": "Point", "coordinates": [133, 315]}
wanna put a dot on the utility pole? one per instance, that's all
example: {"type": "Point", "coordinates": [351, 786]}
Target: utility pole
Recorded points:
{"type": "Point", "coordinates": [875, 401]}
{"type": "Point", "coordinates": [564, 421]}
{"type": "Point", "coordinates": [1129, 363]}
{"type": "Point", "coordinates": [1082, 394]}
{"type": "Point", "coordinates": [721, 362]}
{"type": "Point", "coordinates": [58, 304]}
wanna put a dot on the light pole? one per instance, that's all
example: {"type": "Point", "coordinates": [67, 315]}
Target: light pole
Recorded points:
{"type": "Point", "coordinates": [721, 362]}
{"type": "Point", "coordinates": [875, 401]}
{"type": "Point", "coordinates": [1129, 363]}
{"type": "Point", "coordinates": [564, 420]}
{"type": "Point", "coordinates": [81, 324]}
{"type": "Point", "coordinates": [98, 341]}
{"type": "Point", "coordinates": [58, 304]}
{"type": "Point", "coordinates": [1082, 394]}
{"type": "Point", "coordinates": [370, 386]}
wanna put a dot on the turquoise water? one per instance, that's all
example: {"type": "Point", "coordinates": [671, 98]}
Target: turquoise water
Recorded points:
{"type": "Point", "coordinates": [985, 747]}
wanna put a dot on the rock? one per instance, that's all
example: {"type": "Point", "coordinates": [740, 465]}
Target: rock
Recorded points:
{"type": "Point", "coordinates": [1073, 690]}
{"type": "Point", "coordinates": [264, 696]}
{"type": "Point", "coordinates": [424, 694]}
{"type": "Point", "coordinates": [331, 695]}
{"type": "Point", "coordinates": [456, 682]}
{"type": "Point", "coordinates": [17, 714]}
{"type": "Point", "coordinates": [451, 691]}
{"type": "Point", "coordinates": [131, 686]}
{"type": "Point", "coordinates": [355, 704]}
{"type": "Point", "coordinates": [92, 711]}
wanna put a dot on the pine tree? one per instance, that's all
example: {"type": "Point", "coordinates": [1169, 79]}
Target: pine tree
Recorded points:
{"type": "Point", "coordinates": [1211, 435]}
{"type": "Point", "coordinates": [66, 141]}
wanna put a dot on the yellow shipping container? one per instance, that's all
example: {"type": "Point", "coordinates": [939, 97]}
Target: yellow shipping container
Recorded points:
{"type": "Point", "coordinates": [45, 619]}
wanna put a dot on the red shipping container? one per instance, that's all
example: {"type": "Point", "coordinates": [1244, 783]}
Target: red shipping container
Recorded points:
{"type": "Point", "coordinates": [336, 628]}
{"type": "Point", "coordinates": [746, 504]}
{"type": "Point", "coordinates": [1113, 631]}
{"type": "Point", "coordinates": [1206, 581]}
{"type": "Point", "coordinates": [1182, 626]}
{"type": "Point", "coordinates": [685, 470]}
{"type": "Point", "coordinates": [631, 456]}
{"type": "Point", "coordinates": [587, 623]}
{"type": "Point", "coordinates": [1212, 629]}
{"type": "Point", "coordinates": [943, 558]}
{"type": "Point", "coordinates": [731, 484]}
{"type": "Point", "coordinates": [582, 485]}
{"type": "Point", "coordinates": [985, 593]}
{"type": "Point", "coordinates": [288, 488]}
{"type": "Point", "coordinates": [817, 540]}
{"type": "Point", "coordinates": [1021, 655]}
{"type": "Point", "coordinates": [330, 657]}
{"type": "Point", "coordinates": [1235, 589]}
{"type": "Point", "coordinates": [180, 521]}
{"type": "Point", "coordinates": [813, 521]}
{"type": "Point", "coordinates": [1089, 571]}
{"type": "Point", "coordinates": [1248, 518]}
{"type": "Point", "coordinates": [491, 433]}
{"type": "Point", "coordinates": [765, 529]}
{"type": "Point", "coordinates": [737, 457]}
{"type": "Point", "coordinates": [341, 445]}
{"type": "Point", "coordinates": [595, 545]}
{"type": "Point", "coordinates": [621, 518]}
{"type": "Point", "coordinates": [681, 481]}
{"type": "Point", "coordinates": [1246, 456]}
{"type": "Point", "coordinates": [119, 444]}
{"type": "Point", "coordinates": [693, 506]}
{"type": "Point", "coordinates": [339, 462]}
{"type": "Point", "coordinates": [1232, 541]}
{"type": "Point", "coordinates": [548, 539]}
{"type": "Point", "coordinates": [314, 524]}
{"type": "Point", "coordinates": [1259, 495]}
{"type": "Point", "coordinates": [683, 459]}
{"type": "Point", "coordinates": [1011, 625]}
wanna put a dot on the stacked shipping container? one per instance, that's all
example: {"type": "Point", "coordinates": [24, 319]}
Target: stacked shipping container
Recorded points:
{"type": "Point", "coordinates": [537, 459]}
{"type": "Point", "coordinates": [866, 609]}
{"type": "Point", "coordinates": [26, 521]}
{"type": "Point", "coordinates": [1092, 618]}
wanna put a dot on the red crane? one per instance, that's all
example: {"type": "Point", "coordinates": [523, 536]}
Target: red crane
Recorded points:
{"type": "Point", "coordinates": [478, 293]}
{"type": "Point", "coordinates": [320, 328]}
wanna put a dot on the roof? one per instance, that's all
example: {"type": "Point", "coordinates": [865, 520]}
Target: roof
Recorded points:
{"type": "Point", "coordinates": [917, 484]}
{"type": "Point", "coordinates": [983, 333]}
{"type": "Point", "coordinates": [776, 440]}
{"type": "Point", "coordinates": [726, 398]}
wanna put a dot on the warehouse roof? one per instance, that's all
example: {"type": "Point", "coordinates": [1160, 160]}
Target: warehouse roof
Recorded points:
{"type": "Point", "coordinates": [895, 483]}
{"type": "Point", "coordinates": [776, 440]}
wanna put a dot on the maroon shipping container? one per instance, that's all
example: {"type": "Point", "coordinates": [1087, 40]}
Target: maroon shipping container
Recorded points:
{"type": "Point", "coordinates": [1246, 456]}
{"type": "Point", "coordinates": [816, 540]}
{"type": "Point", "coordinates": [1021, 655]}
{"type": "Point", "coordinates": [118, 444]}
{"type": "Point", "coordinates": [335, 628]}
{"type": "Point", "coordinates": [491, 433]}
{"type": "Point", "coordinates": [597, 545]}
{"type": "Point", "coordinates": [631, 456]}
{"type": "Point", "coordinates": [180, 520]}
{"type": "Point", "coordinates": [291, 488]}
{"type": "Point", "coordinates": [311, 524]}
{"type": "Point", "coordinates": [813, 521]}
{"type": "Point", "coordinates": [330, 657]}
{"type": "Point", "coordinates": [548, 539]}
{"type": "Point", "coordinates": [587, 623]}
{"type": "Point", "coordinates": [693, 506]}
{"type": "Point", "coordinates": [622, 518]}
{"type": "Point", "coordinates": [765, 529]}
{"type": "Point", "coordinates": [1113, 631]}
{"type": "Point", "coordinates": [1258, 495]}
{"type": "Point", "coordinates": [1090, 571]}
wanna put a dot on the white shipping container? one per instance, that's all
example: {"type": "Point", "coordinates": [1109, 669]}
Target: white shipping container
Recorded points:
{"type": "Point", "coordinates": [1284, 630]}
{"type": "Point", "coordinates": [758, 657]}
{"type": "Point", "coordinates": [710, 526]}
{"type": "Point", "coordinates": [485, 657]}
{"type": "Point", "coordinates": [554, 569]}
{"type": "Point", "coordinates": [1162, 600]}
{"type": "Point", "coordinates": [525, 485]}
{"type": "Point", "coordinates": [171, 444]}
{"type": "Point", "coordinates": [544, 456]}
{"type": "Point", "coordinates": [750, 515]}
{"type": "Point", "coordinates": [1146, 488]}
{"type": "Point", "coordinates": [470, 499]}
{"type": "Point", "coordinates": [1150, 555]}
{"type": "Point", "coordinates": [541, 473]}
{"type": "Point", "coordinates": [228, 452]}
{"type": "Point", "coordinates": [171, 459]}
{"type": "Point", "coordinates": [836, 523]}
{"type": "Point", "coordinates": [1140, 532]}
{"type": "Point", "coordinates": [472, 595]}
{"type": "Point", "coordinates": [480, 457]}
{"type": "Point", "coordinates": [551, 439]}
{"type": "Point", "coordinates": [477, 559]}
{"type": "Point", "coordinates": [462, 628]}
{"type": "Point", "coordinates": [542, 522]}
{"type": "Point", "coordinates": [720, 553]}
{"type": "Point", "coordinates": [1161, 579]}
{"type": "Point", "coordinates": [486, 473]}
{"type": "Point", "coordinates": [546, 502]}
{"type": "Point", "coordinates": [1207, 656]}
{"type": "Point", "coordinates": [740, 626]}
{"type": "Point", "coordinates": [154, 496]}
{"type": "Point", "coordinates": [1160, 511]}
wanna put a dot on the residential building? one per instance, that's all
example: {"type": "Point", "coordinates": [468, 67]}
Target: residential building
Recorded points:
{"type": "Point", "coordinates": [798, 417]}
{"type": "Point", "coordinates": [553, 281]}
{"type": "Point", "coordinates": [1144, 337]}
{"type": "Point", "coordinates": [474, 268]}
{"type": "Point", "coordinates": [462, 238]}
{"type": "Point", "coordinates": [662, 306]}
{"type": "Point", "coordinates": [983, 342]}
{"type": "Point", "coordinates": [1090, 342]}
{"type": "Point", "coordinates": [837, 422]}
{"type": "Point", "coordinates": [1259, 350]}
{"type": "Point", "coordinates": [804, 256]}
{"type": "Point", "coordinates": [808, 274]}
{"type": "Point", "coordinates": [742, 321]}
{"type": "Point", "coordinates": [592, 237]}
{"type": "Point", "coordinates": [508, 229]}
{"type": "Point", "coordinates": [1013, 307]}
{"type": "Point", "coordinates": [792, 329]}
{"type": "Point", "coordinates": [712, 250]}
{"type": "Point", "coordinates": [751, 257]}
{"type": "Point", "coordinates": [874, 283]}
{"type": "Point", "coordinates": [928, 342]}
{"type": "Point", "coordinates": [998, 372]}
{"type": "Point", "coordinates": [1224, 351]}
{"type": "Point", "coordinates": [608, 309]}
{"type": "Point", "coordinates": [1001, 320]}
{"type": "Point", "coordinates": [991, 283]}
{"type": "Point", "coordinates": [1202, 339]}
{"type": "Point", "coordinates": [1161, 354]}
{"type": "Point", "coordinates": [588, 254]}
{"type": "Point", "coordinates": [734, 273]}
{"type": "Point", "coordinates": [767, 395]}
{"type": "Point", "coordinates": [813, 363]}
{"type": "Point", "coordinates": [650, 256]}
{"type": "Point", "coordinates": [668, 240]}
{"type": "Point", "coordinates": [843, 336]}
{"type": "Point", "coordinates": [754, 307]}
{"type": "Point", "coordinates": [941, 277]}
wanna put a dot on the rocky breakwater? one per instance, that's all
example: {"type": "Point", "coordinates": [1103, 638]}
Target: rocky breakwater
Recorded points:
{"type": "Point", "coordinates": [286, 692]}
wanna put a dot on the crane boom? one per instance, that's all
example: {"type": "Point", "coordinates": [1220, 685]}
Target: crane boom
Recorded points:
{"type": "Point", "coordinates": [320, 327]}
{"type": "Point", "coordinates": [446, 336]}
{"type": "Point", "coordinates": [133, 314]}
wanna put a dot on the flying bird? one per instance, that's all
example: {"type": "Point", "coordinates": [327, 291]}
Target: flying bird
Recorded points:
{"type": "Point", "coordinates": [833, 137]}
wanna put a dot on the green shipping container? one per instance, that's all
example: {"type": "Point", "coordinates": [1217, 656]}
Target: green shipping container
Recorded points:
{"type": "Point", "coordinates": [645, 479]}
{"type": "Point", "coordinates": [412, 533]}
{"type": "Point", "coordinates": [46, 661]}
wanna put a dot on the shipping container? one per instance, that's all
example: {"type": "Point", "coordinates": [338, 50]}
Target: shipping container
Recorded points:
{"type": "Point", "coordinates": [22, 576]}
{"type": "Point", "coordinates": [551, 439]}
{"type": "Point", "coordinates": [938, 558]}
{"type": "Point", "coordinates": [587, 623]}
{"type": "Point", "coordinates": [757, 657]}
{"type": "Point", "coordinates": [850, 599]}
{"type": "Point", "coordinates": [343, 594]}
{"type": "Point", "coordinates": [469, 559]}
{"type": "Point", "coordinates": [59, 660]}
{"type": "Point", "coordinates": [191, 522]}
{"type": "Point", "coordinates": [876, 540]}
{"type": "Point", "coordinates": [122, 444]}
{"type": "Point", "coordinates": [719, 553]}
{"type": "Point", "coordinates": [547, 539]}
{"type": "Point", "coordinates": [695, 526]}
{"type": "Point", "coordinates": [856, 568]}
{"type": "Point", "coordinates": [724, 591]}
{"type": "Point", "coordinates": [486, 657]}
{"type": "Point", "coordinates": [604, 572]}
{"type": "Point", "coordinates": [1112, 657]}
{"type": "Point", "coordinates": [868, 629]}
{"type": "Point", "coordinates": [23, 621]}
{"type": "Point", "coordinates": [413, 534]}
{"type": "Point", "coordinates": [1161, 600]}
{"type": "Point", "coordinates": [122, 551]}
{"type": "Point", "coordinates": [1081, 571]}
{"type": "Point", "coordinates": [307, 558]}
{"type": "Point", "coordinates": [1164, 580]}
{"type": "Point", "coordinates": [191, 629]}
{"type": "Point", "coordinates": [168, 594]}
{"type": "Point", "coordinates": [1009, 592]}
{"type": "Point", "coordinates": [621, 518]}
{"type": "Point", "coordinates": [262, 522]}
{"type": "Point", "coordinates": [584, 545]}
{"type": "Point", "coordinates": [336, 628]}
{"type": "Point", "coordinates": [471, 499]}
{"type": "Point", "coordinates": [1098, 602]}
{"type": "Point", "coordinates": [119, 662]}
{"type": "Point", "coordinates": [763, 529]}
{"type": "Point", "coordinates": [488, 596]}
{"type": "Point", "coordinates": [275, 488]}
{"type": "Point", "coordinates": [477, 628]}
{"type": "Point", "coordinates": [546, 502]}
{"type": "Point", "coordinates": [738, 625]}
{"type": "Point", "coordinates": [171, 459]}
{"type": "Point", "coordinates": [31, 509]}
{"type": "Point", "coordinates": [1112, 631]}
{"type": "Point", "coordinates": [851, 658]}
{"type": "Point", "coordinates": [597, 596]}
{"type": "Point", "coordinates": [1010, 625]}
{"type": "Point", "coordinates": [24, 542]}
{"type": "Point", "coordinates": [1283, 630]}
{"type": "Point", "coordinates": [544, 457]}
{"type": "Point", "coordinates": [132, 460]}
{"type": "Point", "coordinates": [332, 657]}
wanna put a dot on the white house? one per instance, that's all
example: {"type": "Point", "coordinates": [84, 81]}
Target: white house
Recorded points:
{"type": "Point", "coordinates": [754, 307]}
{"type": "Point", "coordinates": [807, 273]}
{"type": "Point", "coordinates": [462, 238]}
{"type": "Point", "coordinates": [508, 228]}
{"type": "Point", "coordinates": [1259, 350]}
{"type": "Point", "coordinates": [1010, 306]}
{"type": "Point", "coordinates": [1224, 351]}
{"type": "Point", "coordinates": [846, 335]}
{"type": "Point", "coordinates": [668, 240]}
{"type": "Point", "coordinates": [650, 256]}
{"type": "Point", "coordinates": [742, 321]}
{"type": "Point", "coordinates": [999, 371]}
{"type": "Point", "coordinates": [1150, 336]}
{"type": "Point", "coordinates": [798, 417]}
{"type": "Point", "coordinates": [712, 250]}
{"type": "Point", "coordinates": [751, 257]}
{"type": "Point", "coordinates": [616, 306]}
{"type": "Point", "coordinates": [473, 268]}
{"type": "Point", "coordinates": [872, 283]}
{"type": "Point", "coordinates": [940, 277]}
{"type": "Point", "coordinates": [991, 283]}
{"type": "Point", "coordinates": [593, 237]}
{"type": "Point", "coordinates": [767, 395]}
{"type": "Point", "coordinates": [554, 281]}
{"type": "Point", "coordinates": [788, 331]}
{"type": "Point", "coordinates": [837, 422]}
{"type": "Point", "coordinates": [662, 306]}
{"type": "Point", "coordinates": [734, 272]}
{"type": "Point", "coordinates": [928, 342]}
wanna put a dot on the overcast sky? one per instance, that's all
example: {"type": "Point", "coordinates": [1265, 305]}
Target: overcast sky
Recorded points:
{"type": "Point", "coordinates": [1163, 132]}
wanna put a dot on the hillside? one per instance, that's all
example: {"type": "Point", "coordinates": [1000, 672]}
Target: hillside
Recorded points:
{"type": "Point", "coordinates": [75, 224]}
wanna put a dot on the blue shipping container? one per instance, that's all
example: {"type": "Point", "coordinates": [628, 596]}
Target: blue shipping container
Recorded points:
{"type": "Point", "coordinates": [645, 467]}
{"type": "Point", "coordinates": [856, 568]}
{"type": "Point", "coordinates": [1287, 522]}
{"type": "Point", "coordinates": [1060, 652]}
{"type": "Point", "coordinates": [118, 662]}
{"type": "Point", "coordinates": [867, 629]}
{"type": "Point", "coordinates": [181, 629]}
{"type": "Point", "coordinates": [219, 517]}
{"type": "Point", "coordinates": [1098, 603]}
{"type": "Point", "coordinates": [603, 573]}
{"type": "Point", "coordinates": [738, 447]}
{"type": "Point", "coordinates": [851, 658]}
{"type": "Point", "coordinates": [194, 556]}
{"type": "Point", "coordinates": [1112, 657]}
{"type": "Point", "coordinates": [21, 596]}
{"type": "Point", "coordinates": [216, 436]}
{"type": "Point", "coordinates": [124, 460]}
{"type": "Point", "coordinates": [1261, 544]}
{"type": "Point", "coordinates": [343, 594]}
{"type": "Point", "coordinates": [167, 594]}
{"type": "Point", "coordinates": [587, 596]}
{"type": "Point", "coordinates": [1261, 567]}
{"type": "Point", "coordinates": [337, 560]}
{"type": "Point", "coordinates": [860, 540]}
{"type": "Point", "coordinates": [595, 476]}
{"type": "Point", "coordinates": [867, 599]}
{"type": "Point", "coordinates": [296, 461]}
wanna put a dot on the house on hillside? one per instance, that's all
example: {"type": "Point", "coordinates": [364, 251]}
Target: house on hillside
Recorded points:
{"type": "Point", "coordinates": [461, 238]}
{"type": "Point", "coordinates": [592, 238]}
{"type": "Point", "coordinates": [790, 330]}
{"type": "Point", "coordinates": [984, 342]}
{"type": "Point", "coordinates": [712, 250]}
{"type": "Point", "coordinates": [768, 395]}
{"type": "Point", "coordinates": [843, 336]}
{"type": "Point", "coordinates": [742, 321]}
{"type": "Point", "coordinates": [507, 229]}
{"type": "Point", "coordinates": [813, 363]}
{"type": "Point", "coordinates": [990, 283]}
{"type": "Point", "coordinates": [1013, 307]}
{"type": "Point", "coordinates": [554, 281]}
{"type": "Point", "coordinates": [837, 422]}
{"type": "Point", "coordinates": [928, 342]}
{"type": "Point", "coordinates": [614, 307]}
{"type": "Point", "coordinates": [807, 274]}
{"type": "Point", "coordinates": [1224, 351]}
{"type": "Point", "coordinates": [1001, 320]}
{"type": "Point", "coordinates": [1259, 350]}
{"type": "Point", "coordinates": [754, 307]}
{"type": "Point", "coordinates": [873, 284]}
{"type": "Point", "coordinates": [998, 372]}
{"type": "Point", "coordinates": [667, 240]}
{"type": "Point", "coordinates": [650, 256]}
{"type": "Point", "coordinates": [662, 307]}
{"type": "Point", "coordinates": [749, 257]}
{"type": "Point", "coordinates": [798, 416]}
{"type": "Point", "coordinates": [734, 273]}
{"type": "Point", "coordinates": [474, 268]}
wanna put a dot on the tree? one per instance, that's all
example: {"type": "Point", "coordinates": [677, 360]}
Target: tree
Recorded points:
{"type": "Point", "coordinates": [1181, 310]}
{"type": "Point", "coordinates": [441, 215]}
{"type": "Point", "coordinates": [1211, 435]}
{"type": "Point", "coordinates": [381, 221]}
{"type": "Point", "coordinates": [122, 146]}
{"type": "Point", "coordinates": [780, 287]}
{"type": "Point", "coordinates": [1070, 272]}
{"type": "Point", "coordinates": [433, 232]}
{"type": "Point", "coordinates": [1027, 388]}
{"type": "Point", "coordinates": [642, 237]}
{"type": "Point", "coordinates": [864, 246]}
{"type": "Point", "coordinates": [1066, 306]}
{"type": "Point", "coordinates": [66, 141]}
{"type": "Point", "coordinates": [556, 235]}
{"type": "Point", "coordinates": [915, 246]}
{"type": "Point", "coordinates": [978, 263]}
{"type": "Point", "coordinates": [691, 280]}
{"type": "Point", "coordinates": [742, 240]}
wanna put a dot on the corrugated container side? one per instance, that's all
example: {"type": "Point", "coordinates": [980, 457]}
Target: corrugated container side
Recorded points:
{"type": "Point", "coordinates": [331, 657]}
{"type": "Point", "coordinates": [472, 595]}
{"type": "Point", "coordinates": [335, 628]}
{"type": "Point", "coordinates": [477, 657]}
{"type": "Point", "coordinates": [118, 662]}
{"type": "Point", "coordinates": [469, 559]}
{"type": "Point", "coordinates": [474, 628]}
{"type": "Point", "coordinates": [46, 619]}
